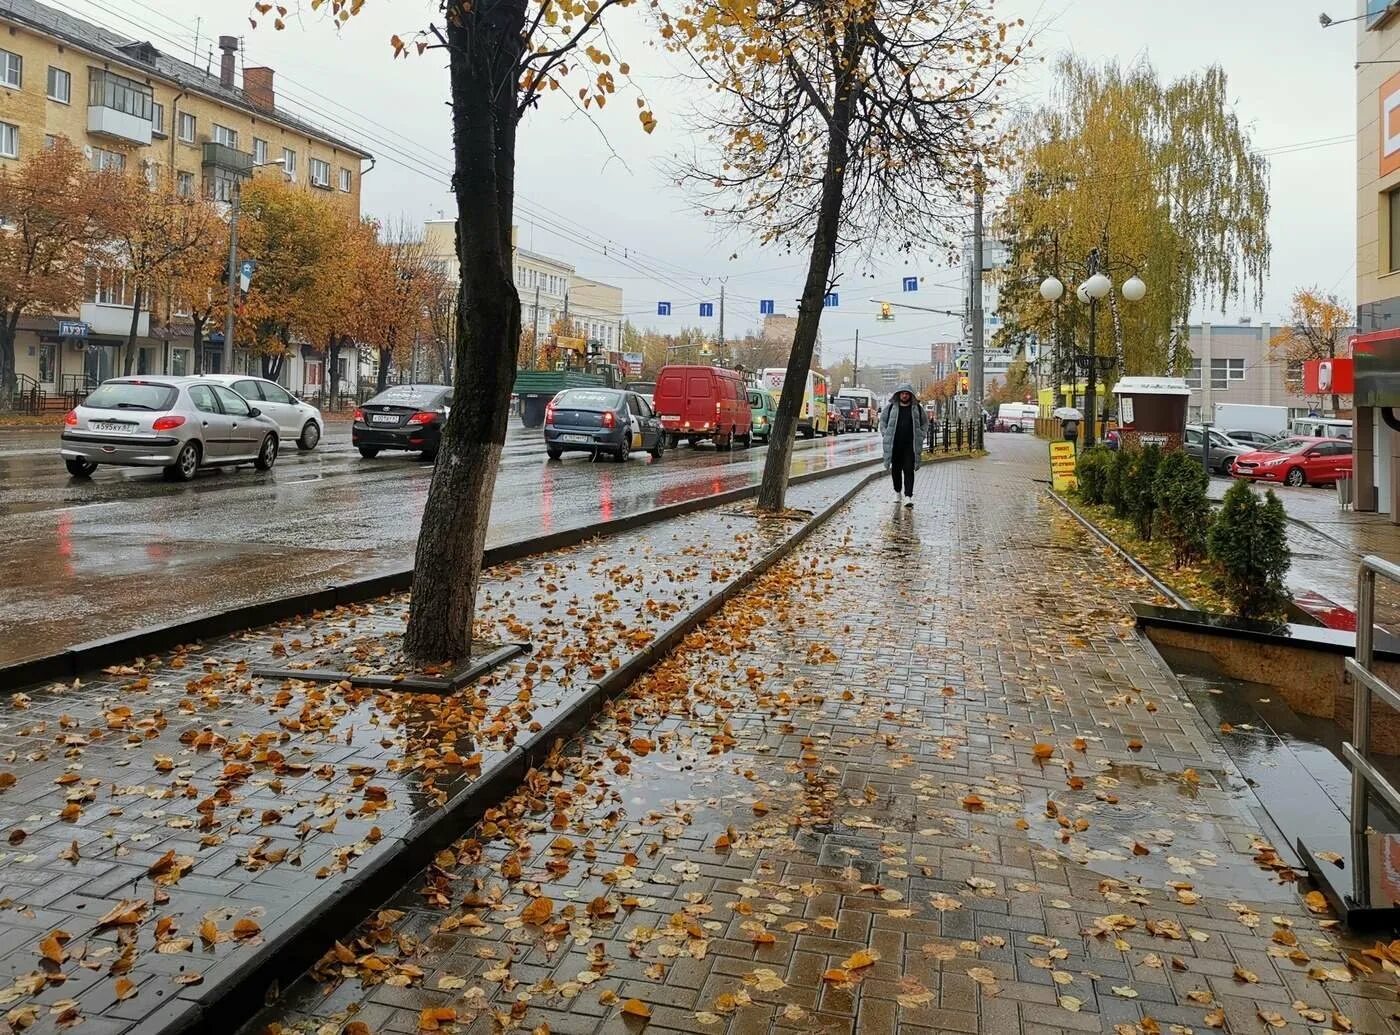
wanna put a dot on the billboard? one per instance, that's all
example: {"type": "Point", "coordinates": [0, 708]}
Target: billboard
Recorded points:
{"type": "Point", "coordinates": [1329, 376]}
{"type": "Point", "coordinates": [1376, 368]}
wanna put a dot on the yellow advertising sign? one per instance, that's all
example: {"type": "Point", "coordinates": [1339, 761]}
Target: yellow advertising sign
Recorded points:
{"type": "Point", "coordinates": [1062, 476]}
{"type": "Point", "coordinates": [573, 344]}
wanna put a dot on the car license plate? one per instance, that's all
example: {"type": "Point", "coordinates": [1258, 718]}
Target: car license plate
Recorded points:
{"type": "Point", "coordinates": [670, 418]}
{"type": "Point", "coordinates": [384, 418]}
{"type": "Point", "coordinates": [574, 438]}
{"type": "Point", "coordinates": [112, 427]}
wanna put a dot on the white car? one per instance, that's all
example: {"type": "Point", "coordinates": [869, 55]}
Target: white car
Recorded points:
{"type": "Point", "coordinates": [298, 421]}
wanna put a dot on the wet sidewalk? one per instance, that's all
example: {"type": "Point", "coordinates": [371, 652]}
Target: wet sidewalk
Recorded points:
{"type": "Point", "coordinates": [164, 821]}
{"type": "Point", "coordinates": [924, 777]}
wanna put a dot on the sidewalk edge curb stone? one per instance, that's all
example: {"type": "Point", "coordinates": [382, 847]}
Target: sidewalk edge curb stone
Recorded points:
{"type": "Point", "coordinates": [71, 662]}
{"type": "Point", "coordinates": [1161, 587]}
{"type": "Point", "coordinates": [294, 949]}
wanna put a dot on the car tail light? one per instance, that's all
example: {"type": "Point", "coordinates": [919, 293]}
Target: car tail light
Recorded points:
{"type": "Point", "coordinates": [422, 417]}
{"type": "Point", "coordinates": [609, 420]}
{"type": "Point", "coordinates": [170, 420]}
{"type": "Point", "coordinates": [549, 414]}
{"type": "Point", "coordinates": [359, 416]}
{"type": "Point", "coordinates": [71, 418]}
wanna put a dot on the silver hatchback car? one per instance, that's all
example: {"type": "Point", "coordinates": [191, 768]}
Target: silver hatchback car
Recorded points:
{"type": "Point", "coordinates": [177, 423]}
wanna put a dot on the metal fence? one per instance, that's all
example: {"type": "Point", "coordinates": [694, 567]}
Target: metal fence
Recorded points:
{"type": "Point", "coordinates": [955, 436]}
{"type": "Point", "coordinates": [1364, 776]}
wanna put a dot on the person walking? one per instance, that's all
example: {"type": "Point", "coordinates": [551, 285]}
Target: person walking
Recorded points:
{"type": "Point", "coordinates": [903, 428]}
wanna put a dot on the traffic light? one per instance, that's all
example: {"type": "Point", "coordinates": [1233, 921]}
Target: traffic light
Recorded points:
{"type": "Point", "coordinates": [963, 383]}
{"type": "Point", "coordinates": [886, 311]}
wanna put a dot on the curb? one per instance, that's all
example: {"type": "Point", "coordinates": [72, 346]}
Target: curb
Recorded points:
{"type": "Point", "coordinates": [1133, 562]}
{"type": "Point", "coordinates": [230, 1003]}
{"type": "Point", "coordinates": [71, 662]}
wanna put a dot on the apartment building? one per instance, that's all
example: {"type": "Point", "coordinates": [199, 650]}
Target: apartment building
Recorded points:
{"type": "Point", "coordinates": [549, 288]}
{"type": "Point", "coordinates": [130, 106]}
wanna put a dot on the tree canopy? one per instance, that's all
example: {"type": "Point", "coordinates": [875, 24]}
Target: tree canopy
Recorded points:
{"type": "Point", "coordinates": [1160, 179]}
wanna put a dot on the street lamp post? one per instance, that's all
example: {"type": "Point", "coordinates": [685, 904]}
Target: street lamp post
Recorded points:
{"type": "Point", "coordinates": [234, 208]}
{"type": "Point", "coordinates": [1093, 290]}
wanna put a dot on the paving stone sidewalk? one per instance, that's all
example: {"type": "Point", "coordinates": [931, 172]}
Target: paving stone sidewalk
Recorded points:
{"type": "Point", "coordinates": [925, 777]}
{"type": "Point", "coordinates": [161, 820]}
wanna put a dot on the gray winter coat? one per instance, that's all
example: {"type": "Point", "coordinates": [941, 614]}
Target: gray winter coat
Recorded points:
{"type": "Point", "coordinates": [889, 420]}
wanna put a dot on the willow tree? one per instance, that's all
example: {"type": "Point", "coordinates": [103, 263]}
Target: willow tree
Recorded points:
{"type": "Point", "coordinates": [836, 125]}
{"type": "Point", "coordinates": [503, 57]}
{"type": "Point", "coordinates": [1154, 178]}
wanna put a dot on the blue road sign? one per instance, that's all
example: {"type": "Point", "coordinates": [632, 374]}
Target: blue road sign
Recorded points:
{"type": "Point", "coordinates": [832, 300]}
{"type": "Point", "coordinates": [663, 308]}
{"type": "Point", "coordinates": [765, 307]}
{"type": "Point", "coordinates": [911, 283]}
{"type": "Point", "coordinates": [707, 309]}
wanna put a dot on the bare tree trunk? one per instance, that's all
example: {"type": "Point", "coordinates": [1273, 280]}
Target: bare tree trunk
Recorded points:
{"type": "Point", "coordinates": [385, 357]}
{"type": "Point", "coordinates": [484, 54]}
{"type": "Point", "coordinates": [130, 356]}
{"type": "Point", "coordinates": [1117, 332]}
{"type": "Point", "coordinates": [9, 378]}
{"type": "Point", "coordinates": [772, 493]}
{"type": "Point", "coordinates": [333, 362]}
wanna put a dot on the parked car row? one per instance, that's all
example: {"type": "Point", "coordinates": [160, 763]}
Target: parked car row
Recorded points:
{"type": "Point", "coordinates": [183, 424]}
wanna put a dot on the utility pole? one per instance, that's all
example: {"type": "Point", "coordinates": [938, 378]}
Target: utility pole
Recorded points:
{"type": "Point", "coordinates": [720, 349]}
{"type": "Point", "coordinates": [535, 347]}
{"type": "Point", "coordinates": [232, 278]}
{"type": "Point", "coordinates": [975, 373]}
{"type": "Point", "coordinates": [855, 371]}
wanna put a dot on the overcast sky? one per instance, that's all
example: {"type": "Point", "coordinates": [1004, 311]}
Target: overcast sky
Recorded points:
{"type": "Point", "coordinates": [594, 193]}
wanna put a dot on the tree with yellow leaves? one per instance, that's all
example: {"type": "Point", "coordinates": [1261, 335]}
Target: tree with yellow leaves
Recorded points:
{"type": "Point", "coordinates": [838, 126]}
{"type": "Point", "coordinates": [1319, 326]}
{"type": "Point", "coordinates": [503, 58]}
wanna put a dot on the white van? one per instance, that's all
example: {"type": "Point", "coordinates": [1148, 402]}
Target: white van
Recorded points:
{"type": "Point", "coordinates": [1320, 427]}
{"type": "Point", "coordinates": [867, 407]}
{"type": "Point", "coordinates": [1016, 417]}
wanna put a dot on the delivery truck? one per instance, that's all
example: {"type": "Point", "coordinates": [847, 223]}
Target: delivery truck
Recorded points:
{"type": "Point", "coordinates": [1270, 420]}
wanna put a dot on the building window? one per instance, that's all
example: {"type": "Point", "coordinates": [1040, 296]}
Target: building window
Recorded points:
{"type": "Point", "coordinates": [9, 140]}
{"type": "Point", "coordinates": [220, 186]}
{"type": "Point", "coordinates": [157, 118]}
{"type": "Point", "coordinates": [187, 127]}
{"type": "Point", "coordinates": [1193, 374]}
{"type": "Point", "coordinates": [259, 151]}
{"type": "Point", "coordinates": [1293, 376]}
{"type": "Point", "coordinates": [227, 137]}
{"type": "Point", "coordinates": [1393, 212]}
{"type": "Point", "coordinates": [102, 160]}
{"type": "Point", "coordinates": [289, 161]}
{"type": "Point", "coordinates": [179, 362]}
{"type": "Point", "coordinates": [345, 180]}
{"type": "Point", "coordinates": [109, 90]}
{"type": "Point", "coordinates": [50, 141]}
{"type": "Point", "coordinates": [1223, 371]}
{"type": "Point", "coordinates": [107, 286]}
{"type": "Point", "coordinates": [184, 184]}
{"type": "Point", "coordinates": [11, 69]}
{"type": "Point", "coordinates": [320, 173]}
{"type": "Point", "coordinates": [60, 85]}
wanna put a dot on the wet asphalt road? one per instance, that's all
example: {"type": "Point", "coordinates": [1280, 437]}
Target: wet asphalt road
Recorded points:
{"type": "Point", "coordinates": [81, 560]}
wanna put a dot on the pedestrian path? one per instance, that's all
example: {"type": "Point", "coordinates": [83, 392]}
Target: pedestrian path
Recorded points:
{"type": "Point", "coordinates": [924, 777]}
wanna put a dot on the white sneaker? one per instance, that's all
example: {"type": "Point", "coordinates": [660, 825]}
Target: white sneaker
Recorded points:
{"type": "Point", "coordinates": [909, 503]}
{"type": "Point", "coordinates": [897, 496]}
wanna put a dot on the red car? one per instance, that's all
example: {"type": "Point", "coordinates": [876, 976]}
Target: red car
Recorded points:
{"type": "Point", "coordinates": [1297, 461]}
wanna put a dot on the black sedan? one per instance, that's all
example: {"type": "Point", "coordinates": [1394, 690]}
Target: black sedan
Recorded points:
{"type": "Point", "coordinates": [602, 421]}
{"type": "Point", "coordinates": [402, 417]}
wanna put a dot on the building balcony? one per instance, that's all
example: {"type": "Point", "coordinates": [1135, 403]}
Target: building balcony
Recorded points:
{"type": "Point", "coordinates": [118, 125]}
{"type": "Point", "coordinates": [113, 319]}
{"type": "Point", "coordinates": [225, 159]}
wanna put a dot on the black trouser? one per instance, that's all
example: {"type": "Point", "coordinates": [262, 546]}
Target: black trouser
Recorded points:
{"type": "Point", "coordinates": [902, 471]}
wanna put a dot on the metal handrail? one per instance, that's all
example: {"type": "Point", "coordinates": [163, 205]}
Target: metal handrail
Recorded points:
{"type": "Point", "coordinates": [1364, 776]}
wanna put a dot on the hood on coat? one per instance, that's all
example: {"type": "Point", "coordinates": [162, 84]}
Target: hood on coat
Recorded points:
{"type": "Point", "coordinates": [905, 387]}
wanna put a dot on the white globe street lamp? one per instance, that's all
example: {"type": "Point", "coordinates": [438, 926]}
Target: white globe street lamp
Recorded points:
{"type": "Point", "coordinates": [1098, 286]}
{"type": "Point", "coordinates": [1134, 290]}
{"type": "Point", "coordinates": [1051, 289]}
{"type": "Point", "coordinates": [1081, 294]}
